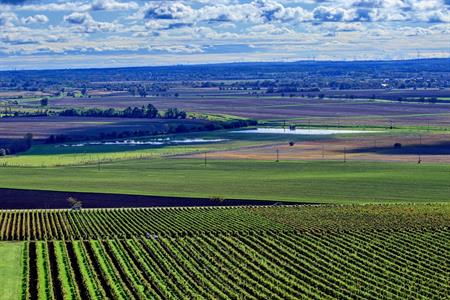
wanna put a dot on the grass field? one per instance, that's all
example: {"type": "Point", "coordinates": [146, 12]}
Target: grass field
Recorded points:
{"type": "Point", "coordinates": [10, 270]}
{"type": "Point", "coordinates": [303, 181]}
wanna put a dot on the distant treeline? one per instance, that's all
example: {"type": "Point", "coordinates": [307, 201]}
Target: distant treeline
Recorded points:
{"type": "Point", "coordinates": [355, 74]}
{"type": "Point", "coordinates": [149, 112]}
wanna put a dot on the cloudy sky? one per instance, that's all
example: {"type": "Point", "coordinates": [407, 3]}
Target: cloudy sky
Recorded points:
{"type": "Point", "coordinates": [37, 34]}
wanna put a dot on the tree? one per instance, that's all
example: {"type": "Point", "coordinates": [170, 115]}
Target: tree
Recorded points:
{"type": "Point", "coordinates": [28, 139]}
{"type": "Point", "coordinates": [182, 115]}
{"type": "Point", "coordinates": [143, 92]}
{"type": "Point", "coordinates": [128, 112]}
{"type": "Point", "coordinates": [84, 91]}
{"type": "Point", "coordinates": [151, 111]}
{"type": "Point", "coordinates": [44, 101]}
{"type": "Point", "coordinates": [174, 113]}
{"type": "Point", "coordinates": [137, 112]}
{"type": "Point", "coordinates": [2, 152]}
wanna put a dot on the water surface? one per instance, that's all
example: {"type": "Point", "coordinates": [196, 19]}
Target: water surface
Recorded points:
{"type": "Point", "coordinates": [301, 131]}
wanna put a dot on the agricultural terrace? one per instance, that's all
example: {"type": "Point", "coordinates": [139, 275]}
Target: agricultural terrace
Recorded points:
{"type": "Point", "coordinates": [345, 252]}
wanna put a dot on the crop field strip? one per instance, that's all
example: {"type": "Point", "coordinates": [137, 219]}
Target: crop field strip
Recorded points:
{"type": "Point", "coordinates": [286, 265]}
{"type": "Point", "coordinates": [137, 222]}
{"type": "Point", "coordinates": [302, 252]}
{"type": "Point", "coordinates": [126, 223]}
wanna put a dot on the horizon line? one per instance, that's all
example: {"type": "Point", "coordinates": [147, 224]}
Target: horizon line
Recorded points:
{"type": "Point", "coordinates": [231, 63]}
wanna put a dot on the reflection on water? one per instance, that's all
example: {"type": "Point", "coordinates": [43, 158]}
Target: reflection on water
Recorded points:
{"type": "Point", "coordinates": [302, 131]}
{"type": "Point", "coordinates": [154, 142]}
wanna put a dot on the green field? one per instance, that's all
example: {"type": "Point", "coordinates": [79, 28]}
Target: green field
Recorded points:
{"type": "Point", "coordinates": [306, 181]}
{"type": "Point", "coordinates": [10, 270]}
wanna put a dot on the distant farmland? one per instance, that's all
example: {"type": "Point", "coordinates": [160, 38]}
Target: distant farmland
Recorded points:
{"type": "Point", "coordinates": [269, 107]}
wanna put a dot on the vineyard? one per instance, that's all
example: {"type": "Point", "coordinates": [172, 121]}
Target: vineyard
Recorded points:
{"type": "Point", "coordinates": [303, 252]}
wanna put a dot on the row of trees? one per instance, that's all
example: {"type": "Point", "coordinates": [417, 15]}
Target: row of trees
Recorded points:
{"type": "Point", "coordinates": [149, 111]}
{"type": "Point", "coordinates": [17, 145]}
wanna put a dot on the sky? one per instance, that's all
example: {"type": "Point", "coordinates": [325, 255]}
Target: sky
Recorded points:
{"type": "Point", "coordinates": [49, 34]}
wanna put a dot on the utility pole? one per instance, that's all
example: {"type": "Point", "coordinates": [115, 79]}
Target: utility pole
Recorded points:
{"type": "Point", "coordinates": [323, 151]}
{"type": "Point", "coordinates": [205, 159]}
{"type": "Point", "coordinates": [345, 154]}
{"type": "Point", "coordinates": [278, 156]}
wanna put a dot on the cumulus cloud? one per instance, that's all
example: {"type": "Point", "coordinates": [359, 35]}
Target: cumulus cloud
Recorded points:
{"type": "Point", "coordinates": [78, 18]}
{"type": "Point", "coordinates": [80, 6]}
{"type": "Point", "coordinates": [257, 11]}
{"type": "Point", "coordinates": [7, 19]}
{"type": "Point", "coordinates": [188, 27]}
{"type": "Point", "coordinates": [328, 14]}
{"type": "Point", "coordinates": [168, 11]}
{"type": "Point", "coordinates": [36, 19]}
{"type": "Point", "coordinates": [113, 5]}
{"type": "Point", "coordinates": [14, 39]}
{"type": "Point", "coordinates": [87, 24]}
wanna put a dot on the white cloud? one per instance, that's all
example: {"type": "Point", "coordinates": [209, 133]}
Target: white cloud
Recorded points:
{"type": "Point", "coordinates": [264, 28]}
{"type": "Point", "coordinates": [87, 24]}
{"type": "Point", "coordinates": [81, 6]}
{"type": "Point", "coordinates": [7, 19]}
{"type": "Point", "coordinates": [78, 18]}
{"type": "Point", "coordinates": [113, 5]}
{"type": "Point", "coordinates": [36, 19]}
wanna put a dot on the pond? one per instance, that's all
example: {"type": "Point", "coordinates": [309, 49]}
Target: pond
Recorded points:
{"type": "Point", "coordinates": [303, 131]}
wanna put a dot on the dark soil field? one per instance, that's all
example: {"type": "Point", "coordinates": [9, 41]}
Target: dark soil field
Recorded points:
{"type": "Point", "coordinates": [42, 127]}
{"type": "Point", "coordinates": [37, 199]}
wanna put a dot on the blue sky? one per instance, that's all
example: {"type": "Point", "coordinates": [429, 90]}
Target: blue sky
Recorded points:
{"type": "Point", "coordinates": [106, 33]}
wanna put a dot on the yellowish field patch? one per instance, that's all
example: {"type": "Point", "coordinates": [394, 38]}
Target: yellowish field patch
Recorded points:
{"type": "Point", "coordinates": [10, 270]}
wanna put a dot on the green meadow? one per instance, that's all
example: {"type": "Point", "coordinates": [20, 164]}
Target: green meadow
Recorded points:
{"type": "Point", "coordinates": [301, 181]}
